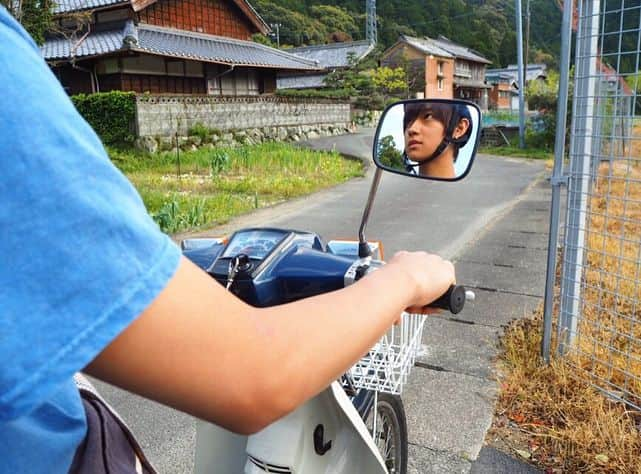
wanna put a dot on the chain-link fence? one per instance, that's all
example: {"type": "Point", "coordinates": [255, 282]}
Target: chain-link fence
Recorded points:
{"type": "Point", "coordinates": [599, 324]}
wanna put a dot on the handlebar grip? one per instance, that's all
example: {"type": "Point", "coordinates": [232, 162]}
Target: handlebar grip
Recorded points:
{"type": "Point", "coordinates": [452, 300]}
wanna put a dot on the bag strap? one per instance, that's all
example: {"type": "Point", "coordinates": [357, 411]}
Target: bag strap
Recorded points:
{"type": "Point", "coordinates": [88, 391]}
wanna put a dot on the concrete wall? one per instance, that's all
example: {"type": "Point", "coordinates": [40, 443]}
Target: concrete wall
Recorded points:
{"type": "Point", "coordinates": [164, 116]}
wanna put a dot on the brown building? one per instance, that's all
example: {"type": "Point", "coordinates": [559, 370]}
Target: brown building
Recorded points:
{"type": "Point", "coordinates": [449, 70]}
{"type": "Point", "coordinates": [165, 47]}
{"type": "Point", "coordinates": [503, 91]}
{"type": "Point", "coordinates": [432, 68]}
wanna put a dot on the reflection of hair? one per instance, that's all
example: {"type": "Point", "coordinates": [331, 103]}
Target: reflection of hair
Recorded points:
{"type": "Point", "coordinates": [440, 111]}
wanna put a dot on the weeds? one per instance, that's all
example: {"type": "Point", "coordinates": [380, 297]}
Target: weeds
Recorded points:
{"type": "Point", "coordinates": [218, 184]}
{"type": "Point", "coordinates": [561, 416]}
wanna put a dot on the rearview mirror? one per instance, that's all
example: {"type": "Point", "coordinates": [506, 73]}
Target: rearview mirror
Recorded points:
{"type": "Point", "coordinates": [428, 138]}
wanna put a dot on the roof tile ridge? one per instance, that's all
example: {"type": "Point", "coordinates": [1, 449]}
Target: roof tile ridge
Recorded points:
{"type": "Point", "coordinates": [226, 39]}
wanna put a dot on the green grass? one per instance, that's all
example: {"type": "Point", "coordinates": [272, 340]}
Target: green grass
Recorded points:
{"type": "Point", "coordinates": [533, 153]}
{"type": "Point", "coordinates": [215, 185]}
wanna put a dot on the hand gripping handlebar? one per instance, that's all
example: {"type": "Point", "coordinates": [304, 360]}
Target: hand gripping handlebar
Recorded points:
{"type": "Point", "coordinates": [453, 299]}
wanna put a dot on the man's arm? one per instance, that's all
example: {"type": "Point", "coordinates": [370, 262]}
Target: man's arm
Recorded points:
{"type": "Point", "coordinates": [201, 350]}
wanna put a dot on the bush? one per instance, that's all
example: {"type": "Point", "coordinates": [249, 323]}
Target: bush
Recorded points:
{"type": "Point", "coordinates": [110, 114]}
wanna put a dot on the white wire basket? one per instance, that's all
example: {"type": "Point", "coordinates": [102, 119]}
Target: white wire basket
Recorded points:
{"type": "Point", "coordinates": [386, 367]}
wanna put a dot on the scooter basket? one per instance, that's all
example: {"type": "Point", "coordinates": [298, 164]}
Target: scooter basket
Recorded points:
{"type": "Point", "coordinates": [386, 367]}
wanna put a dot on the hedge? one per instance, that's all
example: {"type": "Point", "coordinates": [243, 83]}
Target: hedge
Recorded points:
{"type": "Point", "coordinates": [111, 114]}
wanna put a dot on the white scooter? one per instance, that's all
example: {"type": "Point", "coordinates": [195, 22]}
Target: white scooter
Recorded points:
{"type": "Point", "coordinates": [357, 424]}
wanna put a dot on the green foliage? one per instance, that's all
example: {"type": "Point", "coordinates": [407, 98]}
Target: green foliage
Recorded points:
{"type": "Point", "coordinates": [390, 82]}
{"type": "Point", "coordinates": [388, 154]}
{"type": "Point", "coordinates": [170, 218]}
{"type": "Point", "coordinates": [111, 115]}
{"type": "Point", "coordinates": [542, 96]}
{"type": "Point", "coordinates": [199, 130]}
{"type": "Point", "coordinates": [219, 161]}
{"type": "Point", "coordinates": [218, 184]}
{"type": "Point", "coordinates": [35, 16]}
{"type": "Point", "coordinates": [486, 26]}
{"type": "Point", "coordinates": [262, 39]}
{"type": "Point", "coordinates": [336, 20]}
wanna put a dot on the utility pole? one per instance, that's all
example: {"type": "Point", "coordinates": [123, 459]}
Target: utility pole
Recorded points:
{"type": "Point", "coordinates": [277, 26]}
{"type": "Point", "coordinates": [519, 54]}
{"type": "Point", "coordinates": [527, 34]}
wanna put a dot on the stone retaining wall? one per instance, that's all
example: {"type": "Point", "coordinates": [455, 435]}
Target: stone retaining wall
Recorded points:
{"type": "Point", "coordinates": [163, 120]}
{"type": "Point", "coordinates": [166, 116]}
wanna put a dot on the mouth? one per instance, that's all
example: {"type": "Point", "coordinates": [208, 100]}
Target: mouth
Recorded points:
{"type": "Point", "coordinates": [412, 143]}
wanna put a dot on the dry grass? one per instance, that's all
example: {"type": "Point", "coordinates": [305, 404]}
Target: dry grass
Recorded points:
{"type": "Point", "coordinates": [553, 415]}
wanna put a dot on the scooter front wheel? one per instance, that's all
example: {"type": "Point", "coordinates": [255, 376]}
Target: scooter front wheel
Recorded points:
{"type": "Point", "coordinates": [390, 436]}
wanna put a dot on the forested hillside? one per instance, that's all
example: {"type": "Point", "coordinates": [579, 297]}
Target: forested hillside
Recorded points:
{"type": "Point", "coordinates": [485, 25]}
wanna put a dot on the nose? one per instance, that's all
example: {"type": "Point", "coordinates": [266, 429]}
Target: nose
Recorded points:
{"type": "Point", "coordinates": [413, 128]}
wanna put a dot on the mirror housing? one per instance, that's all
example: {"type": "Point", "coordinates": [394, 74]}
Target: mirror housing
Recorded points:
{"type": "Point", "coordinates": [428, 138]}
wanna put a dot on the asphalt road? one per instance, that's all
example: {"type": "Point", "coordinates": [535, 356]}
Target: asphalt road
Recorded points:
{"type": "Point", "coordinates": [408, 214]}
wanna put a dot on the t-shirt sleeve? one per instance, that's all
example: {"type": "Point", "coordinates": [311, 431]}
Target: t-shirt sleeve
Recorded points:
{"type": "Point", "coordinates": [81, 258]}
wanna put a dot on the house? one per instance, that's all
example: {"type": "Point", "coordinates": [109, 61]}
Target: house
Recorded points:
{"type": "Point", "coordinates": [505, 84]}
{"type": "Point", "coordinates": [450, 70]}
{"type": "Point", "coordinates": [164, 47]}
{"type": "Point", "coordinates": [504, 93]}
{"type": "Point", "coordinates": [431, 68]}
{"type": "Point", "coordinates": [532, 72]}
{"type": "Point", "coordinates": [330, 57]}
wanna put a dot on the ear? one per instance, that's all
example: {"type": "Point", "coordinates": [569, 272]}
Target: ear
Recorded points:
{"type": "Point", "coordinates": [461, 128]}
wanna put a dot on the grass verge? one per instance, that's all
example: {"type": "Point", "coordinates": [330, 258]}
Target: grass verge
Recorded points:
{"type": "Point", "coordinates": [209, 186]}
{"type": "Point", "coordinates": [532, 153]}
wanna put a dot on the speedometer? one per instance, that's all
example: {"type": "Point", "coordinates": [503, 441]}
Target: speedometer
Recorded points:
{"type": "Point", "coordinates": [255, 243]}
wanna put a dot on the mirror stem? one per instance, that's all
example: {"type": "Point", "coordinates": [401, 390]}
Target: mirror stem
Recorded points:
{"type": "Point", "coordinates": [363, 246]}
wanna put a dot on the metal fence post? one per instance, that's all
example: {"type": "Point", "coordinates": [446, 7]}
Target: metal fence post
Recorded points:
{"type": "Point", "coordinates": [557, 176]}
{"type": "Point", "coordinates": [583, 129]}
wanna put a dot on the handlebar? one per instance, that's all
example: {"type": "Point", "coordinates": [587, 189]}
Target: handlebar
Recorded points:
{"type": "Point", "coordinates": [453, 299]}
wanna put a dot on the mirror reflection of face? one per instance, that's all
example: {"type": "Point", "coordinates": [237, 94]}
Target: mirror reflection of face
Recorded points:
{"type": "Point", "coordinates": [428, 138]}
{"type": "Point", "coordinates": [423, 135]}
{"type": "Point", "coordinates": [425, 129]}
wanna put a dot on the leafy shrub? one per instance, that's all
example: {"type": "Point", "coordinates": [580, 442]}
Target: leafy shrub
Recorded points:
{"type": "Point", "coordinates": [199, 130]}
{"type": "Point", "coordinates": [110, 114]}
{"type": "Point", "coordinates": [219, 162]}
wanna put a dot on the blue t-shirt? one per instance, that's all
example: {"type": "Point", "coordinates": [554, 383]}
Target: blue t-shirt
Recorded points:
{"type": "Point", "coordinates": [80, 259]}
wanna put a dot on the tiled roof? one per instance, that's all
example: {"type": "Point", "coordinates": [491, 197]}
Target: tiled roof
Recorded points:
{"type": "Point", "coordinates": [218, 49]}
{"type": "Point", "coordinates": [301, 82]}
{"type": "Point", "coordinates": [459, 51]}
{"type": "Point", "coordinates": [533, 71]}
{"type": "Point", "coordinates": [64, 6]}
{"type": "Point", "coordinates": [335, 54]}
{"type": "Point", "coordinates": [93, 45]}
{"type": "Point", "coordinates": [426, 46]}
{"type": "Point", "coordinates": [176, 43]}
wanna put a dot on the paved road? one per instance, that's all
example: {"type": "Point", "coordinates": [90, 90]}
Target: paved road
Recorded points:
{"type": "Point", "coordinates": [444, 218]}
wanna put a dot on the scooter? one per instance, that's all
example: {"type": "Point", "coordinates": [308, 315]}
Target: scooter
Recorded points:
{"type": "Point", "coordinates": [357, 424]}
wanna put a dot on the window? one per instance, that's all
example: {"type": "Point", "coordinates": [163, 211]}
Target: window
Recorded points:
{"type": "Point", "coordinates": [439, 83]}
{"type": "Point", "coordinates": [439, 68]}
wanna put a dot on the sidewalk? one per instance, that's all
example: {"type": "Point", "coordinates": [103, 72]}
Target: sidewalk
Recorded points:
{"type": "Point", "coordinates": [450, 398]}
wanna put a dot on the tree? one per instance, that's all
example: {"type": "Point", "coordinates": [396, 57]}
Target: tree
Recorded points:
{"type": "Point", "coordinates": [390, 82]}
{"type": "Point", "coordinates": [337, 20]}
{"type": "Point", "coordinates": [36, 16]}
{"type": "Point", "coordinates": [388, 154]}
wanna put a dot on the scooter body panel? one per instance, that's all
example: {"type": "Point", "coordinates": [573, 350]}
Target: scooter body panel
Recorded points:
{"type": "Point", "coordinates": [293, 444]}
